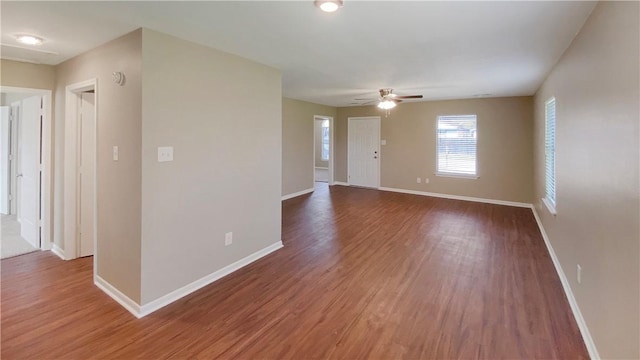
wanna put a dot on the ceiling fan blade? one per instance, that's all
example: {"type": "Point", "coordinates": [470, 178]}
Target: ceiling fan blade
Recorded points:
{"type": "Point", "coordinates": [408, 97]}
{"type": "Point", "coordinates": [397, 101]}
{"type": "Point", "coordinates": [360, 99]}
{"type": "Point", "coordinates": [369, 102]}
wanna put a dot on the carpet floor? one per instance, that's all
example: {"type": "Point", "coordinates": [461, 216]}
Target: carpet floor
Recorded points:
{"type": "Point", "coordinates": [11, 243]}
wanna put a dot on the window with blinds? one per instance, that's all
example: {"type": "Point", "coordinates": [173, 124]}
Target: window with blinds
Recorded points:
{"type": "Point", "coordinates": [550, 153]}
{"type": "Point", "coordinates": [325, 140]}
{"type": "Point", "coordinates": [457, 140]}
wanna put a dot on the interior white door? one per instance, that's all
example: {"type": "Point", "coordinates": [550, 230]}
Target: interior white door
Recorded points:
{"type": "Point", "coordinates": [364, 152]}
{"type": "Point", "coordinates": [5, 150]}
{"type": "Point", "coordinates": [29, 176]}
{"type": "Point", "coordinates": [86, 173]}
{"type": "Point", "coordinates": [14, 162]}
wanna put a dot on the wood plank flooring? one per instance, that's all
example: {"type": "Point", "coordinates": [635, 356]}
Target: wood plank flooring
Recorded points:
{"type": "Point", "coordinates": [363, 274]}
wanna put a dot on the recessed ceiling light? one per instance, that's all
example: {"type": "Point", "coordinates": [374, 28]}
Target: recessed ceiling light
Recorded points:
{"type": "Point", "coordinates": [328, 5]}
{"type": "Point", "coordinates": [29, 39]}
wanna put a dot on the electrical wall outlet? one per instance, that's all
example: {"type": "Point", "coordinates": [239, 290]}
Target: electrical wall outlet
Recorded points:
{"type": "Point", "coordinates": [579, 274]}
{"type": "Point", "coordinates": [426, 180]}
{"type": "Point", "coordinates": [115, 153]}
{"type": "Point", "coordinates": [165, 153]}
{"type": "Point", "coordinates": [418, 180]}
{"type": "Point", "coordinates": [228, 239]}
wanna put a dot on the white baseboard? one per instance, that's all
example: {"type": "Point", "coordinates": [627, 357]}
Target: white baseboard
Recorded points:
{"type": "Point", "coordinates": [582, 325]}
{"type": "Point", "coordinates": [341, 183]}
{"type": "Point", "coordinates": [46, 245]}
{"type": "Point", "coordinates": [458, 197]}
{"type": "Point", "coordinates": [58, 251]}
{"type": "Point", "coordinates": [118, 296]}
{"type": "Point", "coordinates": [154, 305]}
{"type": "Point", "coordinates": [289, 196]}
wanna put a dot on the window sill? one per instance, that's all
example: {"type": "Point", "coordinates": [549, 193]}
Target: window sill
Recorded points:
{"type": "Point", "coordinates": [550, 207]}
{"type": "Point", "coordinates": [459, 176]}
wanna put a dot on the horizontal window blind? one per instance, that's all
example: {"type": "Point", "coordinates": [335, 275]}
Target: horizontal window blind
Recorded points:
{"type": "Point", "coordinates": [550, 151]}
{"type": "Point", "coordinates": [457, 144]}
{"type": "Point", "coordinates": [325, 140]}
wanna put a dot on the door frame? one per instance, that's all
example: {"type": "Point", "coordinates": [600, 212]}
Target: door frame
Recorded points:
{"type": "Point", "coordinates": [379, 121]}
{"type": "Point", "coordinates": [46, 170]}
{"type": "Point", "coordinates": [331, 142]}
{"type": "Point", "coordinates": [13, 170]}
{"type": "Point", "coordinates": [71, 154]}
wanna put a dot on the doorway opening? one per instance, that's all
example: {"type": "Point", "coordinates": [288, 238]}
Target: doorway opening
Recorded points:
{"type": "Point", "coordinates": [323, 149]}
{"type": "Point", "coordinates": [25, 171]}
{"type": "Point", "coordinates": [80, 196]}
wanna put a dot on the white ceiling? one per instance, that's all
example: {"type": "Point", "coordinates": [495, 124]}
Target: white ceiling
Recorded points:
{"type": "Point", "coordinates": [443, 50]}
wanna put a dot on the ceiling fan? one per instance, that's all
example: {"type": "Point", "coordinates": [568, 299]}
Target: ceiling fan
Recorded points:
{"type": "Point", "coordinates": [388, 100]}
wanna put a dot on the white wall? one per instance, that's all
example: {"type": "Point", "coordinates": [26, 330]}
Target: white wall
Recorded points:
{"type": "Point", "coordinates": [223, 116]}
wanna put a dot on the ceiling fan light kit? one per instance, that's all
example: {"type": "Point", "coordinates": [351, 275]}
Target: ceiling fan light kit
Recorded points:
{"type": "Point", "coordinates": [388, 100]}
{"type": "Point", "coordinates": [328, 5]}
{"type": "Point", "coordinates": [386, 104]}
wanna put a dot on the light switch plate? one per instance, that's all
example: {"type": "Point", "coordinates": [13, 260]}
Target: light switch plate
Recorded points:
{"type": "Point", "coordinates": [115, 153]}
{"type": "Point", "coordinates": [165, 153]}
{"type": "Point", "coordinates": [383, 142]}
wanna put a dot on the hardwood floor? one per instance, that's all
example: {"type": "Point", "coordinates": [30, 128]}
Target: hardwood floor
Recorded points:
{"type": "Point", "coordinates": [363, 274]}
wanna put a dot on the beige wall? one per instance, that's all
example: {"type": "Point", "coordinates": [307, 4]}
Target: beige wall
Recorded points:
{"type": "Point", "coordinates": [26, 75]}
{"type": "Point", "coordinates": [118, 182]}
{"type": "Point", "coordinates": [222, 114]}
{"type": "Point", "coordinates": [597, 224]}
{"type": "Point", "coordinates": [317, 133]}
{"type": "Point", "coordinates": [297, 143]}
{"type": "Point", "coordinates": [504, 147]}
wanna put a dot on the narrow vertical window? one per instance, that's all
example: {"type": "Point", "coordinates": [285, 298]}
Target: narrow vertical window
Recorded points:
{"type": "Point", "coordinates": [325, 140]}
{"type": "Point", "coordinates": [550, 154]}
{"type": "Point", "coordinates": [457, 142]}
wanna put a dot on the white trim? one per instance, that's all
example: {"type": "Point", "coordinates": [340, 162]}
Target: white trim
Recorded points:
{"type": "Point", "coordinates": [458, 176]}
{"type": "Point", "coordinates": [332, 156]}
{"type": "Point", "coordinates": [549, 205]}
{"type": "Point", "coordinates": [118, 296]}
{"type": "Point", "coordinates": [331, 160]}
{"type": "Point", "coordinates": [200, 283]}
{"type": "Point", "coordinates": [71, 152]}
{"type": "Point", "coordinates": [321, 168]}
{"type": "Point", "coordinates": [458, 197]}
{"type": "Point", "coordinates": [292, 195]}
{"type": "Point", "coordinates": [58, 251]}
{"type": "Point", "coordinates": [341, 183]}
{"type": "Point", "coordinates": [582, 325]}
{"type": "Point", "coordinates": [46, 185]}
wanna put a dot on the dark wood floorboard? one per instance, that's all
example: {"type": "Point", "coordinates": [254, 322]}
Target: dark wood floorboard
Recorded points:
{"type": "Point", "coordinates": [363, 274]}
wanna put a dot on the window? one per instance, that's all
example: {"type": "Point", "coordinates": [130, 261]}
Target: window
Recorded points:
{"type": "Point", "coordinates": [550, 154]}
{"type": "Point", "coordinates": [325, 140]}
{"type": "Point", "coordinates": [457, 139]}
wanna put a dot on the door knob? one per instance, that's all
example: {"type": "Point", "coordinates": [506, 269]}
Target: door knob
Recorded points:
{"type": "Point", "coordinates": [375, 157]}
